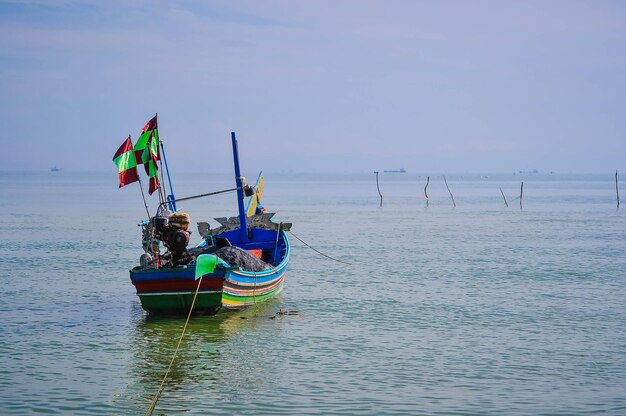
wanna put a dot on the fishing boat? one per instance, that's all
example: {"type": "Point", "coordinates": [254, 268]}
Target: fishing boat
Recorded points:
{"type": "Point", "coordinates": [237, 264]}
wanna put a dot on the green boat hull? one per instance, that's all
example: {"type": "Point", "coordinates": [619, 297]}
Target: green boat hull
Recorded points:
{"type": "Point", "coordinates": [176, 303]}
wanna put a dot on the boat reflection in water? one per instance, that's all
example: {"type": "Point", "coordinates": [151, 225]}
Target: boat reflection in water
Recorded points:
{"type": "Point", "coordinates": [213, 359]}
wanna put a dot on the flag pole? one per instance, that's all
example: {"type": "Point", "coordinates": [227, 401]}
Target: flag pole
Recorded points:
{"type": "Point", "coordinates": [162, 188]}
{"type": "Point", "coordinates": [143, 195]}
{"type": "Point", "coordinates": [160, 194]}
{"type": "Point", "coordinates": [145, 204]}
{"type": "Point", "coordinates": [170, 198]}
{"type": "Point", "coordinates": [162, 179]}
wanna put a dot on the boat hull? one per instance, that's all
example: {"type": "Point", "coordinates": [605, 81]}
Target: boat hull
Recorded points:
{"type": "Point", "coordinates": [242, 289]}
{"type": "Point", "coordinates": [179, 303]}
{"type": "Point", "coordinates": [171, 290]}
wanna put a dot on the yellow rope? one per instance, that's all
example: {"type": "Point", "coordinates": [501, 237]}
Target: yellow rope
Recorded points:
{"type": "Point", "coordinates": [160, 390]}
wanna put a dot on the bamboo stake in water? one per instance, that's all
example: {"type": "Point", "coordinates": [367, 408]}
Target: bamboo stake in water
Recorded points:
{"type": "Point", "coordinates": [427, 181]}
{"type": "Point", "coordinates": [505, 203]}
{"type": "Point", "coordinates": [521, 194]}
{"type": "Point", "coordinates": [616, 189]}
{"type": "Point", "coordinates": [446, 182]}
{"type": "Point", "coordinates": [378, 187]}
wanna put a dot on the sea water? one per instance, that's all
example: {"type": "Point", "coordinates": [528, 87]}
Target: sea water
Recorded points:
{"type": "Point", "coordinates": [478, 309]}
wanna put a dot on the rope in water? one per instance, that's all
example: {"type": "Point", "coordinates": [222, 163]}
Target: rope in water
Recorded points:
{"type": "Point", "coordinates": [319, 252]}
{"type": "Point", "coordinates": [160, 389]}
{"type": "Point", "coordinates": [156, 397]}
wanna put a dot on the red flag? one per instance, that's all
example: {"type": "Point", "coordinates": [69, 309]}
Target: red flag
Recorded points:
{"type": "Point", "coordinates": [151, 125]}
{"type": "Point", "coordinates": [124, 159]}
{"type": "Point", "coordinates": [149, 132]}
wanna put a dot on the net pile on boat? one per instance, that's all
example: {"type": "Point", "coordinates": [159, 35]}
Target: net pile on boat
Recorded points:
{"type": "Point", "coordinates": [233, 256]}
{"type": "Point", "coordinates": [238, 257]}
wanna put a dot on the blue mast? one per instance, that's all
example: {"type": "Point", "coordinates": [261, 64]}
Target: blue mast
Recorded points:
{"type": "Point", "coordinates": [243, 225]}
{"type": "Point", "coordinates": [171, 196]}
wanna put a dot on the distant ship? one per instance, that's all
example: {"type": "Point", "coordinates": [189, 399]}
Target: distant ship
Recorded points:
{"type": "Point", "coordinates": [54, 169]}
{"type": "Point", "coordinates": [401, 170]}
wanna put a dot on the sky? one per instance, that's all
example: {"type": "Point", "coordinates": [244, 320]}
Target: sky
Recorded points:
{"type": "Point", "coordinates": [316, 86]}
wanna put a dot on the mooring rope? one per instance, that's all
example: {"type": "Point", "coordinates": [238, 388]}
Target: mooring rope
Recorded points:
{"type": "Point", "coordinates": [319, 252]}
{"type": "Point", "coordinates": [160, 389]}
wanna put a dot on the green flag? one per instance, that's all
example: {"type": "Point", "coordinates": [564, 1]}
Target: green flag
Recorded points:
{"type": "Point", "coordinates": [149, 158]}
{"type": "Point", "coordinates": [150, 130]}
{"type": "Point", "coordinates": [126, 164]}
{"type": "Point", "coordinates": [147, 152]}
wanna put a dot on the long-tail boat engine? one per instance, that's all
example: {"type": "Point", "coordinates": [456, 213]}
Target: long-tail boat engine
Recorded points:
{"type": "Point", "coordinates": [172, 231]}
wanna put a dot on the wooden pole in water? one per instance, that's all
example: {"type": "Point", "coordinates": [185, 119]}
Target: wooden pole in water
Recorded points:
{"type": "Point", "coordinates": [521, 194]}
{"type": "Point", "coordinates": [427, 182]}
{"type": "Point", "coordinates": [378, 187]}
{"type": "Point", "coordinates": [451, 196]}
{"type": "Point", "coordinates": [505, 203]}
{"type": "Point", "coordinates": [616, 189]}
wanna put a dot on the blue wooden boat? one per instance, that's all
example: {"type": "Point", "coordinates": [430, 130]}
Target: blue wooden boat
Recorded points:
{"type": "Point", "coordinates": [240, 263]}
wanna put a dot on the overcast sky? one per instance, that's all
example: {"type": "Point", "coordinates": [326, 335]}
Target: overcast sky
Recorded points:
{"type": "Point", "coordinates": [460, 86]}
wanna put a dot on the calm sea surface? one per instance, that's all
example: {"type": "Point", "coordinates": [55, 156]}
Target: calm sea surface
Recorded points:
{"type": "Point", "coordinates": [475, 310]}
